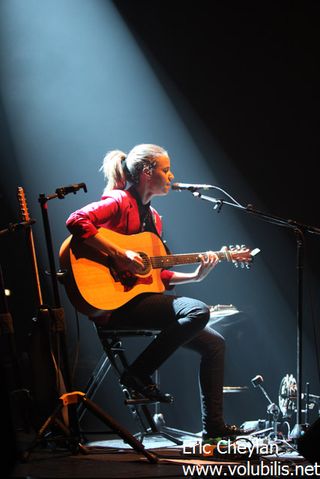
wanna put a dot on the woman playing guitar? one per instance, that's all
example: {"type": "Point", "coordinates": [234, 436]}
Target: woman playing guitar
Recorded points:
{"type": "Point", "coordinates": [133, 179]}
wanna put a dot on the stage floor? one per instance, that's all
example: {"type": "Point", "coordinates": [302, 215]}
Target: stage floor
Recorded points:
{"type": "Point", "coordinates": [111, 458]}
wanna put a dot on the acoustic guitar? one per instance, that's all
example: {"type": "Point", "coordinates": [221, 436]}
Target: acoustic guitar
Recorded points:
{"type": "Point", "coordinates": [94, 286]}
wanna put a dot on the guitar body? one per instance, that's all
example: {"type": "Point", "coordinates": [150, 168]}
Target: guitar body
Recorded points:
{"type": "Point", "coordinates": [93, 286]}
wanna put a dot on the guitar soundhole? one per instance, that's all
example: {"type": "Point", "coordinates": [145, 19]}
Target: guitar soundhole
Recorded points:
{"type": "Point", "coordinates": [128, 279]}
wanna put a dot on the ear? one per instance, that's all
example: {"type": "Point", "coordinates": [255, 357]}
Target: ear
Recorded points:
{"type": "Point", "coordinates": [147, 172]}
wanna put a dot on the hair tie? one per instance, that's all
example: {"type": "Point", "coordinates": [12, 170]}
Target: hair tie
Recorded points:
{"type": "Point", "coordinates": [126, 169]}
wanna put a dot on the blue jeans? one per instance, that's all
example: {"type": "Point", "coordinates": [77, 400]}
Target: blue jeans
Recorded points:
{"type": "Point", "coordinates": [182, 322]}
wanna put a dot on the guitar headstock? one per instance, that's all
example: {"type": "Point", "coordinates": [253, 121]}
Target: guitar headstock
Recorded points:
{"type": "Point", "coordinates": [241, 256]}
{"type": "Point", "coordinates": [24, 212]}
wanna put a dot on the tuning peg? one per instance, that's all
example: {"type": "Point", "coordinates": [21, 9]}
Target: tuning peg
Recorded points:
{"type": "Point", "coordinates": [248, 265]}
{"type": "Point", "coordinates": [236, 264]}
{"type": "Point", "coordinates": [231, 247]}
{"type": "Point", "coordinates": [255, 251]}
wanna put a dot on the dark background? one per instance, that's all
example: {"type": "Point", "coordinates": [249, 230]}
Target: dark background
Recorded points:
{"type": "Point", "coordinates": [244, 81]}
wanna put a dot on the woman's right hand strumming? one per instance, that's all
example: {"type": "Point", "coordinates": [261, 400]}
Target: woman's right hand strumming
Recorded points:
{"type": "Point", "coordinates": [127, 260]}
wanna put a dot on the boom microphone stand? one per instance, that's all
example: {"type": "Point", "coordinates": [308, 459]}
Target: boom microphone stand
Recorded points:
{"type": "Point", "coordinates": [299, 230]}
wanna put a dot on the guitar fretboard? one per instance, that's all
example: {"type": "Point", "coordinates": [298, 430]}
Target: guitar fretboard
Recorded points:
{"type": "Point", "coordinates": [188, 258]}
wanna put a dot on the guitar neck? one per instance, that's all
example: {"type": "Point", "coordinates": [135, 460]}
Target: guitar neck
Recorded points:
{"type": "Point", "coordinates": [188, 258]}
{"type": "Point", "coordinates": [26, 217]}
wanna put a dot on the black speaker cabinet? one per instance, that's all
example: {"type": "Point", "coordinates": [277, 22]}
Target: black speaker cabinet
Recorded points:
{"type": "Point", "coordinates": [309, 444]}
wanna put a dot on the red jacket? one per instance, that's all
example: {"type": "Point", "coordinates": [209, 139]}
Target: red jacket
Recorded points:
{"type": "Point", "coordinates": [117, 211]}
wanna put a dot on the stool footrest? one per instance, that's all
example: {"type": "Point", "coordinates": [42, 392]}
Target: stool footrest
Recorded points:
{"type": "Point", "coordinates": [130, 402]}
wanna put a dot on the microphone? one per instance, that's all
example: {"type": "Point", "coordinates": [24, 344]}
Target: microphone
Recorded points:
{"type": "Point", "coordinates": [65, 190]}
{"type": "Point", "coordinates": [190, 187]}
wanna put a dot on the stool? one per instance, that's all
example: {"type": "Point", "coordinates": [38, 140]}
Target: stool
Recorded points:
{"type": "Point", "coordinates": [114, 357]}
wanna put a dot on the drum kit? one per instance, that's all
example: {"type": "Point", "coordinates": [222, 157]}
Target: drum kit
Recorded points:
{"type": "Point", "coordinates": [222, 314]}
{"type": "Point", "coordinates": [288, 398]}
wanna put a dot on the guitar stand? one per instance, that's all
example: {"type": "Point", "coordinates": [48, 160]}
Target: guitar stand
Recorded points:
{"type": "Point", "coordinates": [71, 400]}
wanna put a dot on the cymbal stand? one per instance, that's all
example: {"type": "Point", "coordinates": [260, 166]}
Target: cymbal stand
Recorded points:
{"type": "Point", "coordinates": [299, 230]}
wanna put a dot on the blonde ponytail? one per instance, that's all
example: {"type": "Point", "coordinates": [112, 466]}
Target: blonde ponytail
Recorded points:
{"type": "Point", "coordinates": [113, 170]}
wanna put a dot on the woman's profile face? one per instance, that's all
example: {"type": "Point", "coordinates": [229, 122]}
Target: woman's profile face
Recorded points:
{"type": "Point", "coordinates": [161, 176]}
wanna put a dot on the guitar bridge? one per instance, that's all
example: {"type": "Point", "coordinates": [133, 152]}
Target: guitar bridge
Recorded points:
{"type": "Point", "coordinates": [127, 279]}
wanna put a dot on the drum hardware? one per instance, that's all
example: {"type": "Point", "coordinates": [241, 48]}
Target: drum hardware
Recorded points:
{"type": "Point", "coordinates": [219, 312]}
{"type": "Point", "coordinates": [273, 411]}
{"type": "Point", "coordinates": [288, 398]}
{"type": "Point", "coordinates": [287, 407]}
{"type": "Point", "coordinates": [234, 389]}
{"type": "Point", "coordinates": [260, 427]}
